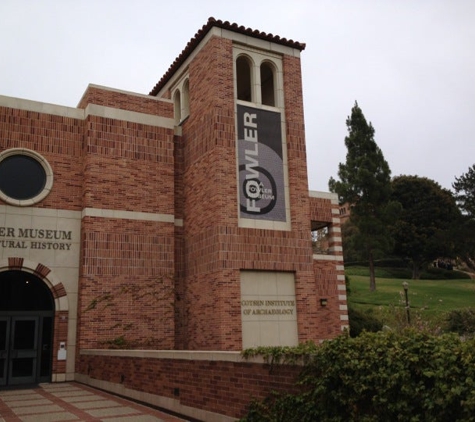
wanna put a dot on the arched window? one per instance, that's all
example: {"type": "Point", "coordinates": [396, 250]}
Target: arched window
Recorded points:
{"type": "Point", "coordinates": [244, 81]}
{"type": "Point", "coordinates": [177, 103]}
{"type": "Point", "coordinates": [267, 84]}
{"type": "Point", "coordinates": [258, 77]}
{"type": "Point", "coordinates": [186, 99]}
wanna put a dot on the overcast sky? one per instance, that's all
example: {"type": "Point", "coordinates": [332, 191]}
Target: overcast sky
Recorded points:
{"type": "Point", "coordinates": [410, 64]}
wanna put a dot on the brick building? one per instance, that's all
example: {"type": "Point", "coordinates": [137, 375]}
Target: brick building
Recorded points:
{"type": "Point", "coordinates": [170, 227]}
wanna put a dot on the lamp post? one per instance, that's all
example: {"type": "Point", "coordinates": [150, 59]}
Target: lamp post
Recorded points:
{"type": "Point", "coordinates": [406, 287]}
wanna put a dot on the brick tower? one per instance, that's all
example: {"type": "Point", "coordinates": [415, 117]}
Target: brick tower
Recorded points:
{"type": "Point", "coordinates": [245, 270]}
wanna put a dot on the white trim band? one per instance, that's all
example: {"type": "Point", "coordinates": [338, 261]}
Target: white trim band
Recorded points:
{"type": "Point", "coordinates": [128, 215]}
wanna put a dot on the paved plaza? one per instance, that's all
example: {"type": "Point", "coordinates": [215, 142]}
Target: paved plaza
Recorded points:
{"type": "Point", "coordinates": [73, 402]}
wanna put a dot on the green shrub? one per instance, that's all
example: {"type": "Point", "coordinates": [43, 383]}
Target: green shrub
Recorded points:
{"type": "Point", "coordinates": [399, 273]}
{"type": "Point", "coordinates": [432, 273]}
{"type": "Point", "coordinates": [363, 321]}
{"type": "Point", "coordinates": [356, 270]}
{"type": "Point", "coordinates": [386, 262]}
{"type": "Point", "coordinates": [392, 262]}
{"type": "Point", "coordinates": [384, 376]}
{"type": "Point", "coordinates": [461, 321]}
{"type": "Point", "coordinates": [280, 408]}
{"type": "Point", "coordinates": [275, 355]}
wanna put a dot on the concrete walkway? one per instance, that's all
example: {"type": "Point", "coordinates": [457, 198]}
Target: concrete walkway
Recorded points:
{"type": "Point", "coordinates": [73, 402]}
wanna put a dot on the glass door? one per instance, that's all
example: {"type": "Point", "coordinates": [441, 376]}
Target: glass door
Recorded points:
{"type": "Point", "coordinates": [23, 350]}
{"type": "Point", "coordinates": [4, 342]}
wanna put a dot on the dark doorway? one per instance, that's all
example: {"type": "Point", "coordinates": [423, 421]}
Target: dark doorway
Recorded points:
{"type": "Point", "coordinates": [26, 329]}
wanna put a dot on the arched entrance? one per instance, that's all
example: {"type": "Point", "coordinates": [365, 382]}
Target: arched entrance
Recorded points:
{"type": "Point", "coordinates": [26, 329]}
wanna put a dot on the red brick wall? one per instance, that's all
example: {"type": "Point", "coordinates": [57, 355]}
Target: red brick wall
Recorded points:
{"type": "Point", "coordinates": [326, 286]}
{"type": "Point", "coordinates": [321, 210]}
{"type": "Point", "coordinates": [59, 140]}
{"type": "Point", "coordinates": [180, 312]}
{"type": "Point", "coordinates": [126, 284]}
{"type": "Point", "coordinates": [209, 180]}
{"type": "Point", "coordinates": [126, 101]}
{"type": "Point", "coordinates": [226, 388]}
{"type": "Point", "coordinates": [127, 265]}
{"type": "Point", "coordinates": [128, 166]}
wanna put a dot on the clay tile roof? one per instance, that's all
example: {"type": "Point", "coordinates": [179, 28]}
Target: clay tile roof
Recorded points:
{"type": "Point", "coordinates": [212, 22]}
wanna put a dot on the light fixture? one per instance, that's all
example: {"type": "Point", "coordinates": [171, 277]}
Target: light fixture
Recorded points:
{"type": "Point", "coordinates": [323, 301]}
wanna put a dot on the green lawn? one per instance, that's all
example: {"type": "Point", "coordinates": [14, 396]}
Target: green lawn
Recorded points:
{"type": "Point", "coordinates": [429, 300]}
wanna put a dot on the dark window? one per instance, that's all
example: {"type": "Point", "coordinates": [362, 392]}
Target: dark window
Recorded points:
{"type": "Point", "coordinates": [24, 335]}
{"type": "Point", "coordinates": [186, 98]}
{"type": "Point", "coordinates": [21, 177]}
{"type": "Point", "coordinates": [177, 102]}
{"type": "Point", "coordinates": [267, 85]}
{"type": "Point", "coordinates": [243, 76]}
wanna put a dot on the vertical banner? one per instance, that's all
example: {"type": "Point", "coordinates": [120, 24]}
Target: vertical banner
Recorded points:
{"type": "Point", "coordinates": [260, 163]}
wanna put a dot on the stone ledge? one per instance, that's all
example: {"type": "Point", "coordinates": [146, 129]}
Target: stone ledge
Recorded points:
{"type": "Point", "coordinates": [174, 354]}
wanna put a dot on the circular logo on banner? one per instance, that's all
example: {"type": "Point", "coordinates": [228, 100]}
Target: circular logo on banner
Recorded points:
{"type": "Point", "coordinates": [262, 192]}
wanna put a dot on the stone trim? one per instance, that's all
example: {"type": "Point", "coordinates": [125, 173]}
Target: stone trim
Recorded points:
{"type": "Point", "coordinates": [131, 215]}
{"type": "Point", "coordinates": [38, 107]}
{"type": "Point", "coordinates": [40, 212]}
{"type": "Point", "coordinates": [128, 116]}
{"type": "Point", "coordinates": [321, 257]}
{"type": "Point", "coordinates": [323, 195]}
{"type": "Point", "coordinates": [90, 110]}
{"type": "Point", "coordinates": [174, 354]}
{"type": "Point", "coordinates": [122, 91]}
{"type": "Point", "coordinates": [46, 168]}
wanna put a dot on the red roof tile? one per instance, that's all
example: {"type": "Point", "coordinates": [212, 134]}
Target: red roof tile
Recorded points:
{"type": "Point", "coordinates": [212, 22]}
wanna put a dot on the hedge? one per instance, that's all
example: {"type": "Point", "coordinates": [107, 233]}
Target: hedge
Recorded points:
{"type": "Point", "coordinates": [384, 376]}
{"type": "Point", "coordinates": [461, 321]}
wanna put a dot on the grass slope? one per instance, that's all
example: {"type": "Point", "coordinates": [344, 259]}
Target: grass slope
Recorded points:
{"type": "Point", "coordinates": [429, 300]}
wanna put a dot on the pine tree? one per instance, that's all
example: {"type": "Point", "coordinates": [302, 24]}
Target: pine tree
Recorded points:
{"type": "Point", "coordinates": [365, 184]}
{"type": "Point", "coordinates": [464, 187]}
